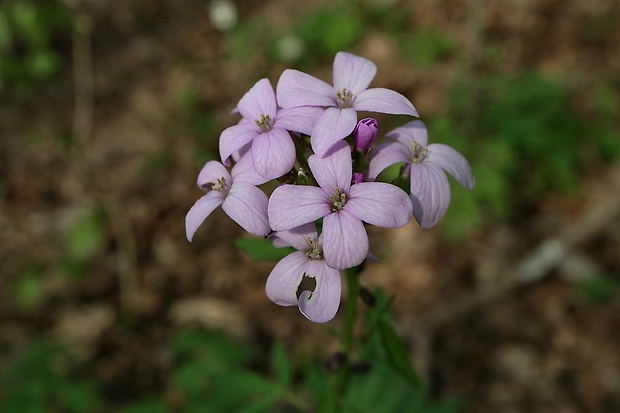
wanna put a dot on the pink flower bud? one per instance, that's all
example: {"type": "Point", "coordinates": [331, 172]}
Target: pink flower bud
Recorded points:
{"type": "Point", "coordinates": [365, 134]}
{"type": "Point", "coordinates": [358, 178]}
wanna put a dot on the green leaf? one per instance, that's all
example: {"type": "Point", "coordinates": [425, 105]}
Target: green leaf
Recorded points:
{"type": "Point", "coordinates": [28, 23]}
{"type": "Point", "coordinates": [29, 287]}
{"type": "Point", "coordinates": [397, 355]}
{"type": "Point", "coordinates": [427, 46]}
{"type": "Point", "coordinates": [6, 34]}
{"type": "Point", "coordinates": [329, 30]}
{"type": "Point", "coordinates": [262, 250]}
{"type": "Point", "coordinates": [598, 290]}
{"type": "Point", "coordinates": [42, 64]}
{"type": "Point", "coordinates": [281, 364]}
{"type": "Point", "coordinates": [149, 405]}
{"type": "Point", "coordinates": [80, 397]}
{"type": "Point", "coordinates": [382, 389]}
{"type": "Point", "coordinates": [86, 237]}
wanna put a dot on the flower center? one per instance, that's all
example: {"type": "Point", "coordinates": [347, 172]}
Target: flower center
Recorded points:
{"type": "Point", "coordinates": [265, 124]}
{"type": "Point", "coordinates": [338, 200]}
{"type": "Point", "coordinates": [219, 185]}
{"type": "Point", "coordinates": [419, 153]}
{"type": "Point", "coordinates": [345, 98]}
{"type": "Point", "coordinates": [315, 252]}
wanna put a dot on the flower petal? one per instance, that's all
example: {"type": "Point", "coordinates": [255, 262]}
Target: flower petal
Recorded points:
{"type": "Point", "coordinates": [298, 237]}
{"type": "Point", "coordinates": [300, 119]}
{"type": "Point", "coordinates": [296, 89]}
{"type": "Point", "coordinates": [244, 171]}
{"type": "Point", "coordinates": [430, 193]}
{"type": "Point", "coordinates": [235, 137]}
{"type": "Point", "coordinates": [383, 101]}
{"type": "Point", "coordinates": [201, 210]}
{"type": "Point", "coordinates": [273, 153]}
{"type": "Point", "coordinates": [284, 279]}
{"type": "Point", "coordinates": [293, 205]}
{"type": "Point", "coordinates": [381, 204]}
{"type": "Point", "coordinates": [410, 132]}
{"type": "Point", "coordinates": [211, 173]}
{"type": "Point", "coordinates": [452, 162]}
{"type": "Point", "coordinates": [247, 206]}
{"type": "Point", "coordinates": [322, 304]}
{"type": "Point", "coordinates": [334, 125]}
{"type": "Point", "coordinates": [353, 73]}
{"type": "Point", "coordinates": [259, 100]}
{"type": "Point", "coordinates": [333, 171]}
{"type": "Point", "coordinates": [345, 240]}
{"type": "Point", "coordinates": [387, 154]}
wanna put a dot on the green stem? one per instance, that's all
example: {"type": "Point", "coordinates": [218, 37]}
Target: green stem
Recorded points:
{"type": "Point", "coordinates": [351, 312]}
{"type": "Point", "coordinates": [340, 381]}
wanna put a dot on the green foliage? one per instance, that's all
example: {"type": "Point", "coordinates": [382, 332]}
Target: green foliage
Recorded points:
{"type": "Point", "coordinates": [85, 237]}
{"type": "Point", "coordinates": [382, 390]}
{"type": "Point", "coordinates": [214, 374]}
{"type": "Point", "coordinates": [262, 250]}
{"type": "Point", "coordinates": [40, 381]}
{"type": "Point", "coordinates": [148, 405]}
{"type": "Point", "coordinates": [281, 364]}
{"type": "Point", "coordinates": [249, 39]}
{"type": "Point", "coordinates": [598, 290]}
{"type": "Point", "coordinates": [389, 18]}
{"type": "Point", "coordinates": [391, 384]}
{"type": "Point", "coordinates": [523, 138]}
{"type": "Point", "coordinates": [426, 47]}
{"type": "Point", "coordinates": [29, 287]}
{"type": "Point", "coordinates": [27, 54]}
{"type": "Point", "coordinates": [603, 129]}
{"type": "Point", "coordinates": [388, 383]}
{"type": "Point", "coordinates": [326, 31]}
{"type": "Point", "coordinates": [391, 348]}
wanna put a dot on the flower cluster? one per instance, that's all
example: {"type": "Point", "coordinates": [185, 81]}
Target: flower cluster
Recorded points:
{"type": "Point", "coordinates": [306, 135]}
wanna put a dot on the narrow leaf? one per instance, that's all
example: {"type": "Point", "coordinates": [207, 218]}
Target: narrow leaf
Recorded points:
{"type": "Point", "coordinates": [261, 249]}
{"type": "Point", "coordinates": [281, 364]}
{"type": "Point", "coordinates": [397, 355]}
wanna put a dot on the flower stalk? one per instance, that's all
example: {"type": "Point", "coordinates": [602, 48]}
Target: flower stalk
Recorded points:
{"type": "Point", "coordinates": [340, 383]}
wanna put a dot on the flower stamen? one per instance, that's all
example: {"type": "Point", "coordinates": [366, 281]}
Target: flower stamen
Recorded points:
{"type": "Point", "coordinates": [315, 253]}
{"type": "Point", "coordinates": [265, 123]}
{"type": "Point", "coordinates": [220, 185]}
{"type": "Point", "coordinates": [345, 98]}
{"type": "Point", "coordinates": [419, 153]}
{"type": "Point", "coordinates": [338, 200]}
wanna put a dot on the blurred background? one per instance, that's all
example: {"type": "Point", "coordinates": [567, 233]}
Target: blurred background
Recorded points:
{"type": "Point", "coordinates": [108, 110]}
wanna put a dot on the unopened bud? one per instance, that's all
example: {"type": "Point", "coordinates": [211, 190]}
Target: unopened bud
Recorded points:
{"type": "Point", "coordinates": [358, 177]}
{"type": "Point", "coordinates": [365, 134]}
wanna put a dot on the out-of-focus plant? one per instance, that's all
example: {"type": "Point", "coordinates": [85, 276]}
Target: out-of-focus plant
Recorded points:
{"type": "Point", "coordinates": [216, 373]}
{"type": "Point", "coordinates": [28, 287]}
{"type": "Point", "coordinates": [84, 239]}
{"type": "Point", "coordinates": [42, 379]}
{"type": "Point", "coordinates": [598, 290]}
{"type": "Point", "coordinates": [426, 46]}
{"type": "Point", "coordinates": [27, 51]}
{"type": "Point", "coordinates": [524, 138]}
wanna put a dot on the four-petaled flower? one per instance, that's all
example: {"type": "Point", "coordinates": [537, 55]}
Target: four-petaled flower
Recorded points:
{"type": "Point", "coordinates": [267, 128]}
{"type": "Point", "coordinates": [236, 192]}
{"type": "Point", "coordinates": [342, 206]}
{"type": "Point", "coordinates": [430, 189]}
{"type": "Point", "coordinates": [348, 95]}
{"type": "Point", "coordinates": [284, 280]}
